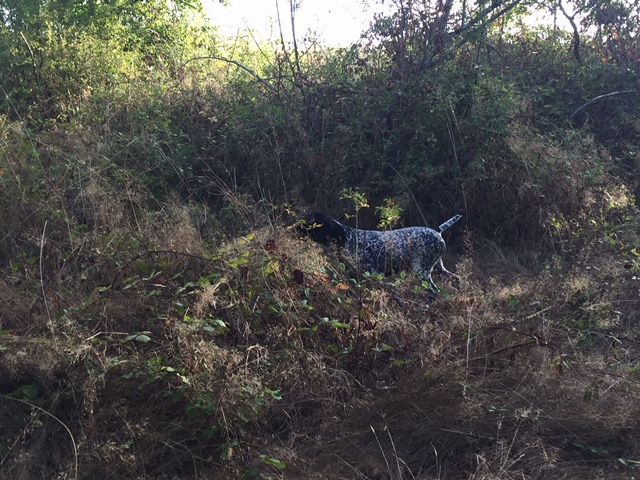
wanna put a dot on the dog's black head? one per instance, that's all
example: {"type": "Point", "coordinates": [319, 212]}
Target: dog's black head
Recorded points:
{"type": "Point", "coordinates": [322, 229]}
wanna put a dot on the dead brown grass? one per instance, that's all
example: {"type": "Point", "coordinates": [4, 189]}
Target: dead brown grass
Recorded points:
{"type": "Point", "coordinates": [280, 354]}
{"type": "Point", "coordinates": [165, 354]}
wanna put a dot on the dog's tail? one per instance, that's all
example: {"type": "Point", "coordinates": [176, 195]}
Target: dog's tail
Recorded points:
{"type": "Point", "coordinates": [449, 223]}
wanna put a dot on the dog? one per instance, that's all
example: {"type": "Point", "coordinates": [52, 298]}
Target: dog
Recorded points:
{"type": "Point", "coordinates": [418, 249]}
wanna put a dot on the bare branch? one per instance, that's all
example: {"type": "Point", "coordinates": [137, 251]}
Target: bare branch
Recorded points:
{"type": "Point", "coordinates": [598, 98]}
{"type": "Point", "coordinates": [282, 42]}
{"type": "Point", "coordinates": [576, 32]}
{"type": "Point", "coordinates": [481, 17]}
{"type": "Point", "coordinates": [232, 62]}
{"type": "Point", "coordinates": [479, 21]}
{"type": "Point", "coordinates": [296, 54]}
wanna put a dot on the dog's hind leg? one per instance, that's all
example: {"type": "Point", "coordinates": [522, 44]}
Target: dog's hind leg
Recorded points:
{"type": "Point", "coordinates": [447, 272]}
{"type": "Point", "coordinates": [424, 271]}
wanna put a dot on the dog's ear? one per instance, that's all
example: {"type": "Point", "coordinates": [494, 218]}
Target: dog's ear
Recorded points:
{"type": "Point", "coordinates": [306, 224]}
{"type": "Point", "coordinates": [317, 218]}
{"type": "Point", "coordinates": [322, 229]}
{"type": "Point", "coordinates": [317, 227]}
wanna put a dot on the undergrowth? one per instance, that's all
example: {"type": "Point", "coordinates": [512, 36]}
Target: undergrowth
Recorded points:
{"type": "Point", "coordinates": [160, 317]}
{"type": "Point", "coordinates": [135, 344]}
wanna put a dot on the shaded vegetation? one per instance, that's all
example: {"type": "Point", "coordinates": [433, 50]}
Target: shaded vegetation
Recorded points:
{"type": "Point", "coordinates": [159, 318]}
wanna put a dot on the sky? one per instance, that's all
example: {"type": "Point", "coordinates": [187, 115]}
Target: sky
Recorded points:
{"type": "Point", "coordinates": [335, 22]}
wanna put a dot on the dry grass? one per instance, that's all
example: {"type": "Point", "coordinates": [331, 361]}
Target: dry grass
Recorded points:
{"type": "Point", "coordinates": [506, 378]}
{"type": "Point", "coordinates": [166, 354]}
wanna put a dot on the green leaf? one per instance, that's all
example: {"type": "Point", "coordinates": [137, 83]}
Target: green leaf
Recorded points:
{"type": "Point", "coordinates": [240, 261]}
{"type": "Point", "coordinates": [340, 325]}
{"type": "Point", "coordinates": [332, 349]}
{"type": "Point", "coordinates": [334, 324]}
{"type": "Point", "coordinates": [251, 474]}
{"type": "Point", "coordinates": [274, 462]}
{"type": "Point", "coordinates": [249, 238]}
{"type": "Point", "coordinates": [30, 392]}
{"type": "Point", "coordinates": [629, 463]}
{"type": "Point", "coordinates": [215, 326]}
{"type": "Point", "coordinates": [271, 267]}
{"type": "Point", "coordinates": [142, 337]}
{"type": "Point", "coordinates": [384, 348]}
{"type": "Point", "coordinates": [209, 434]}
{"type": "Point", "coordinates": [635, 370]}
{"type": "Point", "coordinates": [275, 394]}
{"type": "Point", "coordinates": [130, 283]}
{"type": "Point", "coordinates": [310, 330]}
{"type": "Point", "coordinates": [216, 322]}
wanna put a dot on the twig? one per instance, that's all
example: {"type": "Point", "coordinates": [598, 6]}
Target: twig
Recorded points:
{"type": "Point", "coordinates": [598, 98]}
{"type": "Point", "coordinates": [512, 330]}
{"type": "Point", "coordinates": [296, 54]}
{"type": "Point", "coordinates": [156, 252]}
{"type": "Point", "coordinates": [480, 18]}
{"type": "Point", "coordinates": [232, 62]}
{"type": "Point", "coordinates": [44, 295]}
{"type": "Point", "coordinates": [539, 312]}
{"type": "Point", "coordinates": [611, 374]}
{"type": "Point", "coordinates": [395, 453]}
{"type": "Point", "coordinates": [467, 352]}
{"type": "Point", "coordinates": [505, 459]}
{"type": "Point", "coordinates": [468, 435]}
{"type": "Point", "coordinates": [381, 450]}
{"type": "Point", "coordinates": [511, 347]}
{"type": "Point", "coordinates": [481, 21]}
{"type": "Point", "coordinates": [355, 470]}
{"type": "Point", "coordinates": [283, 44]}
{"type": "Point", "coordinates": [33, 57]}
{"type": "Point", "coordinates": [40, 409]}
{"type": "Point", "coordinates": [455, 155]}
{"type": "Point", "coordinates": [104, 333]}
{"type": "Point", "coordinates": [627, 339]}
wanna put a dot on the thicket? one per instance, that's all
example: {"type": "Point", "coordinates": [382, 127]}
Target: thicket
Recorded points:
{"type": "Point", "coordinates": [159, 317]}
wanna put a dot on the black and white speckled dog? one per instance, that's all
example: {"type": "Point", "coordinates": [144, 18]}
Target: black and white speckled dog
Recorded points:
{"type": "Point", "coordinates": [413, 248]}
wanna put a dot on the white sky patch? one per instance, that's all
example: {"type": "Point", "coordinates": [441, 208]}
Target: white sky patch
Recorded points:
{"type": "Point", "coordinates": [333, 22]}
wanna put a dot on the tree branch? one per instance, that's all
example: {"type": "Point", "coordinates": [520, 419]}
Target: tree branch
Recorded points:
{"type": "Point", "coordinates": [479, 21]}
{"type": "Point", "coordinates": [576, 33]}
{"type": "Point", "coordinates": [241, 66]}
{"type": "Point", "coordinates": [296, 54]}
{"type": "Point", "coordinates": [480, 18]}
{"type": "Point", "coordinates": [598, 98]}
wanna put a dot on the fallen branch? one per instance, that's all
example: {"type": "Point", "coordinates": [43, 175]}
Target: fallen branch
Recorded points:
{"type": "Point", "coordinates": [155, 252]}
{"type": "Point", "coordinates": [598, 98]}
{"type": "Point", "coordinates": [533, 342]}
